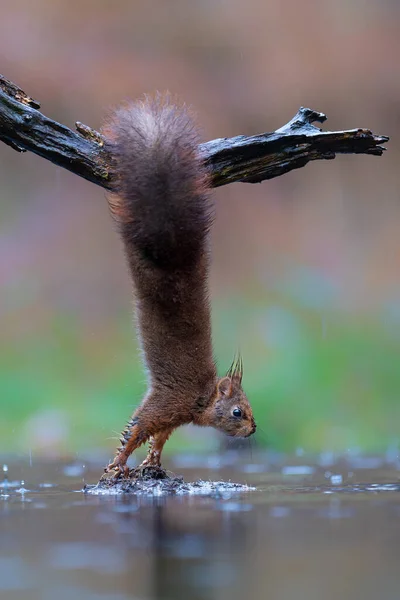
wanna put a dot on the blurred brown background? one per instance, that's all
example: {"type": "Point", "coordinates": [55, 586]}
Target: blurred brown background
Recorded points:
{"type": "Point", "coordinates": [305, 275]}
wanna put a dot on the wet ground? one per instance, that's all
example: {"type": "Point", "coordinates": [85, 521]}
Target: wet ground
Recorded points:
{"type": "Point", "coordinates": [313, 529]}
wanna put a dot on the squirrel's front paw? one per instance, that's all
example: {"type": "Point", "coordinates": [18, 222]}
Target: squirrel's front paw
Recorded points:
{"type": "Point", "coordinates": [118, 468]}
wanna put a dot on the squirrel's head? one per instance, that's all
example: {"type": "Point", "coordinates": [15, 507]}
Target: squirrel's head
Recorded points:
{"type": "Point", "coordinates": [231, 409]}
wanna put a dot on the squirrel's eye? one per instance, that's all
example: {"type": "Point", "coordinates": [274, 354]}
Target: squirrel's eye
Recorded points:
{"type": "Point", "coordinates": [237, 412]}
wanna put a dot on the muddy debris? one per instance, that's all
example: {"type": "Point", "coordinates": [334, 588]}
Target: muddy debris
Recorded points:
{"type": "Point", "coordinates": [154, 481]}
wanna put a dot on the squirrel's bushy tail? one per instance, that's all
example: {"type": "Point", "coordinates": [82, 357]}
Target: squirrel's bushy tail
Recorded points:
{"type": "Point", "coordinates": [161, 205]}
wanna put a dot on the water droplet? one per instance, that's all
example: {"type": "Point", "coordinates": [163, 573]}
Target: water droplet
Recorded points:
{"type": "Point", "coordinates": [297, 470]}
{"type": "Point", "coordinates": [336, 479]}
{"type": "Point", "coordinates": [22, 490]}
{"type": "Point", "coordinates": [5, 478]}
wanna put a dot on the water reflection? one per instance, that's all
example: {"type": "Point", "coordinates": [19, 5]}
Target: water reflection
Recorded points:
{"type": "Point", "coordinates": [302, 534]}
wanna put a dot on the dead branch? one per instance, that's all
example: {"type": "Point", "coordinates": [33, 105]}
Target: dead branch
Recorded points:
{"type": "Point", "coordinates": [247, 159]}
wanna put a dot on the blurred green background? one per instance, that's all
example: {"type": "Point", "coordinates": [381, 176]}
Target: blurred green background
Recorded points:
{"type": "Point", "coordinates": [305, 275]}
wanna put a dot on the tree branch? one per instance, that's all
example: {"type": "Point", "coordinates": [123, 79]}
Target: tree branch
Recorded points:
{"type": "Point", "coordinates": [247, 159]}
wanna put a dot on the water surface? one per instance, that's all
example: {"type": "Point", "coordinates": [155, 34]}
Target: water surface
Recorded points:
{"type": "Point", "coordinates": [313, 529]}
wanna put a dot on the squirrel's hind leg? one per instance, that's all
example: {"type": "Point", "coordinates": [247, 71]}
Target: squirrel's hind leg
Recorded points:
{"type": "Point", "coordinates": [153, 458]}
{"type": "Point", "coordinates": [132, 437]}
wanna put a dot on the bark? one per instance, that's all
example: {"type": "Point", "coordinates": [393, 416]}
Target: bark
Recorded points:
{"type": "Point", "coordinates": [248, 159]}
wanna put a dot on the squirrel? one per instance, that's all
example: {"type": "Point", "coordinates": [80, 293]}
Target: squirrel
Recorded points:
{"type": "Point", "coordinates": [164, 214]}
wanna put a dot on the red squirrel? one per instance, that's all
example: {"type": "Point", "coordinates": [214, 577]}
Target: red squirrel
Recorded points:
{"type": "Point", "coordinates": [163, 214]}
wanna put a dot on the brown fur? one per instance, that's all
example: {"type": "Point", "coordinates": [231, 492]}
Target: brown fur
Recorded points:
{"type": "Point", "coordinates": [164, 216]}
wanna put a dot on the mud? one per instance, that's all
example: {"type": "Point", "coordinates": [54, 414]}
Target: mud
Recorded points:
{"type": "Point", "coordinates": [158, 482]}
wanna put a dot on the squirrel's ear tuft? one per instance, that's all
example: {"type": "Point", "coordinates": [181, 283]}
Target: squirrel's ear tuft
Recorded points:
{"type": "Point", "coordinates": [235, 371]}
{"type": "Point", "coordinates": [224, 386]}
